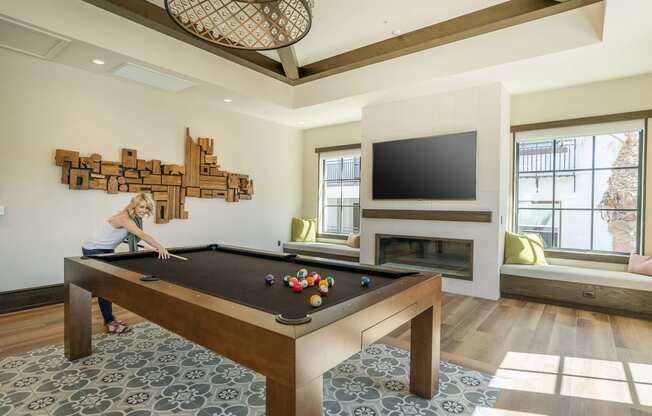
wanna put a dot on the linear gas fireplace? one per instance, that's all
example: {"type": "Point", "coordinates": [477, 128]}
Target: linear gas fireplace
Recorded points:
{"type": "Point", "coordinates": [451, 257]}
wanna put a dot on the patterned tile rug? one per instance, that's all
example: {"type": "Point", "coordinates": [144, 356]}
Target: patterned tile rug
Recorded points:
{"type": "Point", "coordinates": [152, 371]}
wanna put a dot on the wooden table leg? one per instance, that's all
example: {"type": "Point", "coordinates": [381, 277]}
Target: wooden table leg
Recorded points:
{"type": "Point", "coordinates": [424, 352]}
{"type": "Point", "coordinates": [305, 400]}
{"type": "Point", "coordinates": [77, 322]}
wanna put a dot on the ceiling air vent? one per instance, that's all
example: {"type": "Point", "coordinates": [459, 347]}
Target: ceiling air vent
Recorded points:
{"type": "Point", "coordinates": [151, 77]}
{"type": "Point", "coordinates": [23, 38]}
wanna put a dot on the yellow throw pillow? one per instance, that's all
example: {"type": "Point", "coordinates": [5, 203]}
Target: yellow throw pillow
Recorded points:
{"type": "Point", "coordinates": [524, 249]}
{"type": "Point", "coordinates": [304, 230]}
{"type": "Point", "coordinates": [538, 247]}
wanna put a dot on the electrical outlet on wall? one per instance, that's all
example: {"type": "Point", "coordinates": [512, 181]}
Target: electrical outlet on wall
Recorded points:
{"type": "Point", "coordinates": [2, 210]}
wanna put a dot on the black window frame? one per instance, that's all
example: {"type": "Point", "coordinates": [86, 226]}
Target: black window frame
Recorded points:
{"type": "Point", "coordinates": [341, 180]}
{"type": "Point", "coordinates": [640, 202]}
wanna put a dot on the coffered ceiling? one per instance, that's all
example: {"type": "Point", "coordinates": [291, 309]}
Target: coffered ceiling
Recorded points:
{"type": "Point", "coordinates": [583, 41]}
{"type": "Point", "coordinates": [343, 25]}
{"type": "Point", "coordinates": [349, 35]}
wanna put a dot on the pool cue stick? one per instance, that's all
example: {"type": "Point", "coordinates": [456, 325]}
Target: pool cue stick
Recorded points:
{"type": "Point", "coordinates": [171, 255]}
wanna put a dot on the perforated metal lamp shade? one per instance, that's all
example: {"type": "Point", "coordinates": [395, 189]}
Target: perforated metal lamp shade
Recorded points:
{"type": "Point", "coordinates": [244, 24]}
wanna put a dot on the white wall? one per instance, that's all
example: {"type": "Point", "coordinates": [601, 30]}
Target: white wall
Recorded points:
{"type": "Point", "coordinates": [46, 106]}
{"type": "Point", "coordinates": [336, 135]}
{"type": "Point", "coordinates": [595, 99]}
{"type": "Point", "coordinates": [482, 109]}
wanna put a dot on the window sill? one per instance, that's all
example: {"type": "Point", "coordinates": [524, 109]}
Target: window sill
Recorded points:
{"type": "Point", "coordinates": [588, 256]}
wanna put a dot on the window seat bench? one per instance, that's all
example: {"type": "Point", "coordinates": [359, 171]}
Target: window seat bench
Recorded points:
{"type": "Point", "coordinates": [327, 250]}
{"type": "Point", "coordinates": [609, 291]}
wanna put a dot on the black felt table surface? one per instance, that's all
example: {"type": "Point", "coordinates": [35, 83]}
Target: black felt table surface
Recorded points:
{"type": "Point", "coordinates": [241, 278]}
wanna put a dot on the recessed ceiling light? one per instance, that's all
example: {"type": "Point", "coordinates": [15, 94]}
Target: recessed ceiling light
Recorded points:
{"type": "Point", "coordinates": [301, 123]}
{"type": "Point", "coordinates": [97, 61]}
{"type": "Point", "coordinates": [396, 32]}
{"type": "Point", "coordinates": [228, 100]}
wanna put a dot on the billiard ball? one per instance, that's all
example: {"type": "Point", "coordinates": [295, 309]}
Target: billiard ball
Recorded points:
{"type": "Point", "coordinates": [323, 290]}
{"type": "Point", "coordinates": [297, 288]}
{"type": "Point", "coordinates": [302, 273]}
{"type": "Point", "coordinates": [304, 283]}
{"type": "Point", "coordinates": [286, 279]}
{"type": "Point", "coordinates": [269, 279]}
{"type": "Point", "coordinates": [311, 280]}
{"type": "Point", "coordinates": [365, 281]}
{"type": "Point", "coordinates": [323, 283]}
{"type": "Point", "coordinates": [312, 274]}
{"type": "Point", "coordinates": [315, 301]}
{"type": "Point", "coordinates": [317, 278]}
{"type": "Point", "coordinates": [293, 281]}
{"type": "Point", "coordinates": [331, 281]}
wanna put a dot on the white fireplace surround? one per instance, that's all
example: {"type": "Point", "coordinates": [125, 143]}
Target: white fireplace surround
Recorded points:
{"type": "Point", "coordinates": [483, 109]}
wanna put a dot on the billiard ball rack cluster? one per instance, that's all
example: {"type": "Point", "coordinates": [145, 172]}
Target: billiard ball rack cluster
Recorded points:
{"type": "Point", "coordinates": [304, 280]}
{"type": "Point", "coordinates": [170, 184]}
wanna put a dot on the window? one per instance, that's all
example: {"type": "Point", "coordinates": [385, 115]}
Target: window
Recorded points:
{"type": "Point", "coordinates": [339, 190]}
{"type": "Point", "coordinates": [583, 192]}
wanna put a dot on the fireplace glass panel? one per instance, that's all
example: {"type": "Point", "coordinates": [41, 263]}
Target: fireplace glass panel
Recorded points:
{"type": "Point", "coordinates": [451, 258]}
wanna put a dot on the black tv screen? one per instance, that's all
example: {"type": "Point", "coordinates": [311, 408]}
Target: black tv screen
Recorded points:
{"type": "Point", "coordinates": [440, 167]}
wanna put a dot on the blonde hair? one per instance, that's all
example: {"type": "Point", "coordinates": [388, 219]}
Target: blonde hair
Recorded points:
{"type": "Point", "coordinates": [137, 200]}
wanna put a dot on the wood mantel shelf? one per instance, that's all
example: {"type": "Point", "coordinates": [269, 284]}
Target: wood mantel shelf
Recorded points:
{"type": "Point", "coordinates": [428, 215]}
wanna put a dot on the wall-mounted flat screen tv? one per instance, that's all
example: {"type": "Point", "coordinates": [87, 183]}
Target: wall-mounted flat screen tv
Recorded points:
{"type": "Point", "coordinates": [439, 167]}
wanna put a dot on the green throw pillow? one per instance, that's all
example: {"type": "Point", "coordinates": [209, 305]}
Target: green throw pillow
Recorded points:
{"type": "Point", "coordinates": [304, 230]}
{"type": "Point", "coordinates": [524, 249]}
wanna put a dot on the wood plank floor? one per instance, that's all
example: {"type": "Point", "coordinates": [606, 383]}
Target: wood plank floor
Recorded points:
{"type": "Point", "coordinates": [548, 360]}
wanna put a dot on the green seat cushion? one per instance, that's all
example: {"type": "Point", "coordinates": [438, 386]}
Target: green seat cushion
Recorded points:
{"type": "Point", "coordinates": [304, 230]}
{"type": "Point", "coordinates": [524, 249]}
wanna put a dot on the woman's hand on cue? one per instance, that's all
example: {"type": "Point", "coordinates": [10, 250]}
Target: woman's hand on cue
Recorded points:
{"type": "Point", "coordinates": [163, 253]}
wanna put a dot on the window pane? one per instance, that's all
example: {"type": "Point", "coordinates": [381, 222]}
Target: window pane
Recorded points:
{"type": "Point", "coordinates": [574, 153]}
{"type": "Point", "coordinates": [332, 169]}
{"type": "Point", "coordinates": [351, 168]}
{"type": "Point", "coordinates": [538, 222]}
{"type": "Point", "coordinates": [332, 193]}
{"type": "Point", "coordinates": [615, 231]}
{"type": "Point", "coordinates": [535, 190]}
{"type": "Point", "coordinates": [535, 156]}
{"type": "Point", "coordinates": [573, 189]}
{"type": "Point", "coordinates": [616, 188]}
{"type": "Point", "coordinates": [617, 150]}
{"type": "Point", "coordinates": [578, 189]}
{"type": "Point", "coordinates": [350, 220]}
{"type": "Point", "coordinates": [330, 223]}
{"type": "Point", "coordinates": [351, 193]}
{"type": "Point", "coordinates": [575, 229]}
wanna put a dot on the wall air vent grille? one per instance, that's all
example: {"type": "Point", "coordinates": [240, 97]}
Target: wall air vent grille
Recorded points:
{"type": "Point", "coordinates": [30, 40]}
{"type": "Point", "coordinates": [152, 77]}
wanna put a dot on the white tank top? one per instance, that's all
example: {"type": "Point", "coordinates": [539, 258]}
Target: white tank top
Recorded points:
{"type": "Point", "coordinates": [108, 238]}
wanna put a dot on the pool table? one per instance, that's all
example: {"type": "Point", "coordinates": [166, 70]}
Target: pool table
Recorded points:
{"type": "Point", "coordinates": [219, 299]}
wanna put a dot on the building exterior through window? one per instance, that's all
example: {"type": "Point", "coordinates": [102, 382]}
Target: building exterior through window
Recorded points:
{"type": "Point", "coordinates": [339, 190]}
{"type": "Point", "coordinates": [583, 192]}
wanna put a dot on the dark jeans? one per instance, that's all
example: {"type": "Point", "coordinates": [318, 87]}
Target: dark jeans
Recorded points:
{"type": "Point", "coordinates": [106, 307]}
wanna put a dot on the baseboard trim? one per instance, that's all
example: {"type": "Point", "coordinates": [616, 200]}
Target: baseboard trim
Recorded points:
{"type": "Point", "coordinates": [22, 299]}
{"type": "Point", "coordinates": [580, 306]}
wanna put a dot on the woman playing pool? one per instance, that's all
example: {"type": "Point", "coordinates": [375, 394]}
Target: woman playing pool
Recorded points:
{"type": "Point", "coordinates": [127, 223]}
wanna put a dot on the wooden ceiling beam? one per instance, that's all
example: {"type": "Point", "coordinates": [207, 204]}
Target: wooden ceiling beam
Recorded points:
{"type": "Point", "coordinates": [501, 16]}
{"type": "Point", "coordinates": [289, 61]}
{"type": "Point", "coordinates": [156, 18]}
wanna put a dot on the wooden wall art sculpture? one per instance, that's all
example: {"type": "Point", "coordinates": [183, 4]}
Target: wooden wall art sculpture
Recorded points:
{"type": "Point", "coordinates": [169, 184]}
